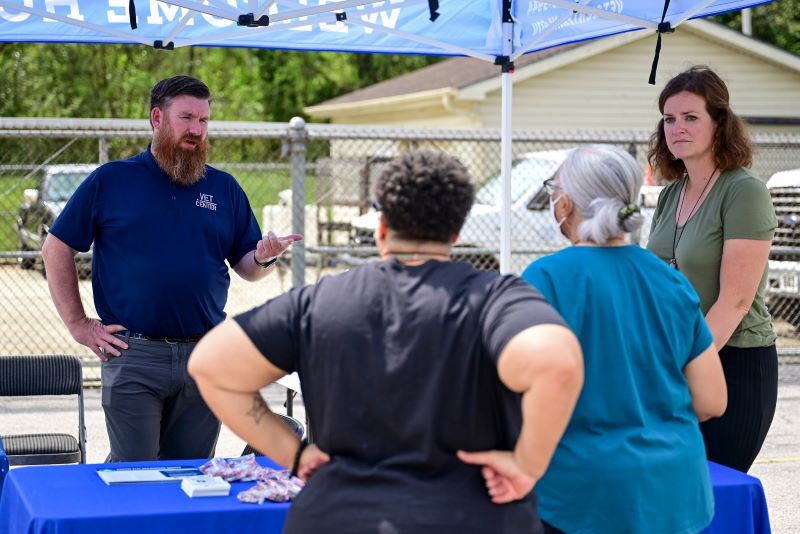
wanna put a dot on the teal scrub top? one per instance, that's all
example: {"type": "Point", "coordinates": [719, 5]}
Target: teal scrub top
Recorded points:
{"type": "Point", "coordinates": [632, 458]}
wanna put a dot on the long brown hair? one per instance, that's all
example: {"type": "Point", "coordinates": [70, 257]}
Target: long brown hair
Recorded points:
{"type": "Point", "coordinates": [731, 146]}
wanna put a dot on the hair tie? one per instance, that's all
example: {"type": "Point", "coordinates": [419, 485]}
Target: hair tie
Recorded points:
{"type": "Point", "coordinates": [627, 210]}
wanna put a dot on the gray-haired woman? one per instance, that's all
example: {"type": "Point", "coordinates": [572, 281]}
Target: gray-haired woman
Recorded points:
{"type": "Point", "coordinates": [632, 457]}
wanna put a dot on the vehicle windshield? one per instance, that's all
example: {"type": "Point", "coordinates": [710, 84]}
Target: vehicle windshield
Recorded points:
{"type": "Point", "coordinates": [61, 186]}
{"type": "Point", "coordinates": [525, 173]}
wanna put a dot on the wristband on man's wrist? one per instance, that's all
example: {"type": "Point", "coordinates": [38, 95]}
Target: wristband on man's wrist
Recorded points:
{"type": "Point", "coordinates": [265, 264]}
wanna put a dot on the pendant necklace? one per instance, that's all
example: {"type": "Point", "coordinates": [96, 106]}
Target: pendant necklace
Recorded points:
{"type": "Point", "coordinates": [676, 237]}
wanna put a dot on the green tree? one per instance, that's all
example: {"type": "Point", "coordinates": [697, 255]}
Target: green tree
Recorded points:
{"type": "Point", "coordinates": [777, 23]}
{"type": "Point", "coordinates": [74, 80]}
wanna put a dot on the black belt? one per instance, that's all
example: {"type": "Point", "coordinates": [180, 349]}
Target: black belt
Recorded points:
{"type": "Point", "coordinates": [172, 340]}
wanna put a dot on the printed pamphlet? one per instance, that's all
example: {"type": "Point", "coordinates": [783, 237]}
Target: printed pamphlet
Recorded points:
{"type": "Point", "coordinates": [140, 475]}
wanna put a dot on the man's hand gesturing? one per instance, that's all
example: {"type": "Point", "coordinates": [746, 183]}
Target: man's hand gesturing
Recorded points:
{"type": "Point", "coordinates": [271, 245]}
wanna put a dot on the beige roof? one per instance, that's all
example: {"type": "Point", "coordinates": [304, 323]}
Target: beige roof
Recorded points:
{"type": "Point", "coordinates": [468, 75]}
{"type": "Point", "coordinates": [456, 73]}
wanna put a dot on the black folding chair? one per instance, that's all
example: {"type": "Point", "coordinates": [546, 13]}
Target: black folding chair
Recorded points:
{"type": "Point", "coordinates": [33, 375]}
{"type": "Point", "coordinates": [295, 425]}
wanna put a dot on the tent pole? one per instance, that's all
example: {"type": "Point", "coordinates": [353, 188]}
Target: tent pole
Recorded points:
{"type": "Point", "coordinates": [297, 139]}
{"type": "Point", "coordinates": [505, 169]}
{"type": "Point", "coordinates": [505, 140]}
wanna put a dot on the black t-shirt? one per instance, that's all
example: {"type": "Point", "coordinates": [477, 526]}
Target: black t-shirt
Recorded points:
{"type": "Point", "coordinates": [398, 370]}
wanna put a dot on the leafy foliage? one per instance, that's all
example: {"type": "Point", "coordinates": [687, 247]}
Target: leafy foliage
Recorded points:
{"type": "Point", "coordinates": [74, 80]}
{"type": "Point", "coordinates": [777, 23]}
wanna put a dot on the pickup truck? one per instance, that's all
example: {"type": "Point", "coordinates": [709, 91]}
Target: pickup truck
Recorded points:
{"type": "Point", "coordinates": [783, 298]}
{"type": "Point", "coordinates": [41, 206]}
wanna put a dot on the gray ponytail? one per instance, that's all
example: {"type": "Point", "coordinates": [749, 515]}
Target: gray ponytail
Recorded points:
{"type": "Point", "coordinates": [604, 182]}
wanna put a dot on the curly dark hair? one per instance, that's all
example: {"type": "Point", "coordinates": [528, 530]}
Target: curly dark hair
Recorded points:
{"type": "Point", "coordinates": [164, 91]}
{"type": "Point", "coordinates": [732, 147]}
{"type": "Point", "coordinates": [425, 195]}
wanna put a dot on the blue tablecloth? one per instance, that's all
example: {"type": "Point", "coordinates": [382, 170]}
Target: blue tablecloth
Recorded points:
{"type": "Point", "coordinates": [739, 503]}
{"type": "Point", "coordinates": [72, 499]}
{"type": "Point", "coordinates": [3, 466]}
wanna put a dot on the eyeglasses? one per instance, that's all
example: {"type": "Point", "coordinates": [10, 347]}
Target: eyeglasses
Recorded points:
{"type": "Point", "coordinates": [376, 205]}
{"type": "Point", "coordinates": [550, 185]}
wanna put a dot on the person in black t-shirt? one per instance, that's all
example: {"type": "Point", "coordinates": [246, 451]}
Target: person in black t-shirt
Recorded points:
{"type": "Point", "coordinates": [427, 382]}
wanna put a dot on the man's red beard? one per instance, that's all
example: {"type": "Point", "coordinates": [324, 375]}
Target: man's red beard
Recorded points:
{"type": "Point", "coordinates": [184, 167]}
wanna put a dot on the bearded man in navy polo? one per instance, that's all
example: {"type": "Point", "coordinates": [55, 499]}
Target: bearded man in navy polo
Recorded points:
{"type": "Point", "coordinates": [163, 223]}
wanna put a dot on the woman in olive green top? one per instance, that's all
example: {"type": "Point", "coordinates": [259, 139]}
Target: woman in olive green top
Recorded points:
{"type": "Point", "coordinates": [714, 223]}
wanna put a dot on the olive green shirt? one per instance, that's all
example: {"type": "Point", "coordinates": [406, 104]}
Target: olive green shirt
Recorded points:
{"type": "Point", "coordinates": [737, 207]}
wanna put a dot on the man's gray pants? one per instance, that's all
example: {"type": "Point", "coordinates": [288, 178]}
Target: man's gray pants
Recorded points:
{"type": "Point", "coordinates": [152, 406]}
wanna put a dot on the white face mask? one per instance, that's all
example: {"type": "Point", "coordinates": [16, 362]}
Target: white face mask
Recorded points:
{"type": "Point", "coordinates": [558, 233]}
{"type": "Point", "coordinates": [556, 221]}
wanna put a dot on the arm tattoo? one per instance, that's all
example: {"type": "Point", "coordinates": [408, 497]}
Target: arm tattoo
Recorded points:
{"type": "Point", "coordinates": [258, 409]}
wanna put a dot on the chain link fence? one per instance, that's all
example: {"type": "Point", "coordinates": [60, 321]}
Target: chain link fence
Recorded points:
{"type": "Point", "coordinates": [333, 167]}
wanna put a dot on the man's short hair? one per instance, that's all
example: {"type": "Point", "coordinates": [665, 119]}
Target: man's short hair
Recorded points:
{"type": "Point", "coordinates": [164, 91]}
{"type": "Point", "coordinates": [425, 195]}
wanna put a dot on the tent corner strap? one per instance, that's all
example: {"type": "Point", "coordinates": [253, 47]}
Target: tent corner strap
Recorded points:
{"type": "Point", "coordinates": [433, 7]}
{"type": "Point", "coordinates": [506, 65]}
{"type": "Point", "coordinates": [250, 20]}
{"type": "Point", "coordinates": [665, 27]}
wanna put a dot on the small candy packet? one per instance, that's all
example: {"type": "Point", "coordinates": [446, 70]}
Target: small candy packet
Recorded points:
{"type": "Point", "coordinates": [273, 485]}
{"type": "Point", "coordinates": [242, 469]}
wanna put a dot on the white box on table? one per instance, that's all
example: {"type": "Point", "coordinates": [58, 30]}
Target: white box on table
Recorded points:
{"type": "Point", "coordinates": [205, 486]}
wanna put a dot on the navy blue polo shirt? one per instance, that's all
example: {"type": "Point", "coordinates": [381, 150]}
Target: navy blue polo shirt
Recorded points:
{"type": "Point", "coordinates": [159, 248]}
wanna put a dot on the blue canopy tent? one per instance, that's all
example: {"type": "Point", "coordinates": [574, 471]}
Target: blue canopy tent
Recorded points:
{"type": "Point", "coordinates": [498, 31]}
